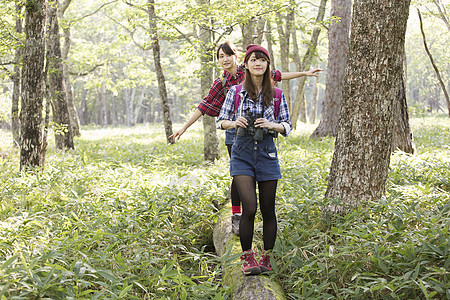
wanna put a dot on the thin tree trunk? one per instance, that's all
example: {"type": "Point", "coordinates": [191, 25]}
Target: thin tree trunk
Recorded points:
{"type": "Point", "coordinates": [299, 104]}
{"type": "Point", "coordinates": [436, 70]}
{"type": "Point", "coordinates": [32, 85]}
{"type": "Point", "coordinates": [104, 107]}
{"type": "Point", "coordinates": [63, 130]}
{"type": "Point", "coordinates": [402, 136]}
{"type": "Point", "coordinates": [270, 44]}
{"type": "Point", "coordinates": [314, 99]}
{"type": "Point", "coordinates": [211, 142]}
{"type": "Point", "coordinates": [338, 37]}
{"type": "Point", "coordinates": [159, 72]}
{"type": "Point", "coordinates": [284, 35]}
{"type": "Point", "coordinates": [82, 112]}
{"type": "Point", "coordinates": [15, 120]}
{"type": "Point", "coordinates": [360, 164]}
{"type": "Point", "coordinates": [74, 118]}
{"type": "Point", "coordinates": [138, 107]}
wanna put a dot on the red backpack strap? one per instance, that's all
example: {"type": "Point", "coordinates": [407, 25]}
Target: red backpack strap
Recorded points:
{"type": "Point", "coordinates": [237, 98]}
{"type": "Point", "coordinates": [277, 102]}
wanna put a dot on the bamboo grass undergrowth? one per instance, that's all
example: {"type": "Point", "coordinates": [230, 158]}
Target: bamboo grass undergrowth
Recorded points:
{"type": "Point", "coordinates": [126, 216]}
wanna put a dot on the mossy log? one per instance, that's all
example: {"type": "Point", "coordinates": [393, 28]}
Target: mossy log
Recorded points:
{"type": "Point", "coordinates": [259, 287]}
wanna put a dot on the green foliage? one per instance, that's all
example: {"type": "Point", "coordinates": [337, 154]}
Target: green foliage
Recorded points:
{"type": "Point", "coordinates": [126, 216]}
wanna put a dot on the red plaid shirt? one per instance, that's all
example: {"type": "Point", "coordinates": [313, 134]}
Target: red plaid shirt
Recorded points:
{"type": "Point", "coordinates": [212, 103]}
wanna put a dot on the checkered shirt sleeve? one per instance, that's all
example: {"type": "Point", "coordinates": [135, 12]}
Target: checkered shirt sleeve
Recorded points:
{"type": "Point", "coordinates": [212, 103]}
{"type": "Point", "coordinates": [284, 117]}
{"type": "Point", "coordinates": [227, 111]}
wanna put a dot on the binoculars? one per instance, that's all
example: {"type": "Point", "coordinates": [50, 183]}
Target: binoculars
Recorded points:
{"type": "Point", "coordinates": [257, 132]}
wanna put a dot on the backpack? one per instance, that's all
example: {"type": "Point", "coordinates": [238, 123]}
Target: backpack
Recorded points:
{"type": "Point", "coordinates": [276, 104]}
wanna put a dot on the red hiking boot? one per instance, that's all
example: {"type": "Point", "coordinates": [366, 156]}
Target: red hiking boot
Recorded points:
{"type": "Point", "coordinates": [264, 262]}
{"type": "Point", "coordinates": [249, 264]}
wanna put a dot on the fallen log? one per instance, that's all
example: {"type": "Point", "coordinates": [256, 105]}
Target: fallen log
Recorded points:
{"type": "Point", "coordinates": [259, 287]}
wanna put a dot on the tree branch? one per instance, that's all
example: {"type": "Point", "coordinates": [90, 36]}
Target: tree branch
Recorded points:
{"type": "Point", "coordinates": [87, 72]}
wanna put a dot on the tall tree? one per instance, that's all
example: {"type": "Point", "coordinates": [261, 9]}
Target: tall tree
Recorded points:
{"type": "Point", "coordinates": [61, 118]}
{"type": "Point", "coordinates": [363, 145]}
{"type": "Point", "coordinates": [338, 41]}
{"type": "Point", "coordinates": [299, 107]}
{"type": "Point", "coordinates": [402, 138]}
{"type": "Point", "coordinates": [159, 71]}
{"type": "Point", "coordinates": [15, 120]}
{"type": "Point", "coordinates": [74, 118]}
{"type": "Point", "coordinates": [284, 34]}
{"type": "Point", "coordinates": [32, 85]}
{"type": "Point", "coordinates": [436, 70]}
{"type": "Point", "coordinates": [211, 142]}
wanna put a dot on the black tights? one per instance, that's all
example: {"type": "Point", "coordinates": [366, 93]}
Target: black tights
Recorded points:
{"type": "Point", "coordinates": [235, 200]}
{"type": "Point", "coordinates": [246, 187]}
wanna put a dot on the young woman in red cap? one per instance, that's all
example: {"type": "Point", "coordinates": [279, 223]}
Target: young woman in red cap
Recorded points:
{"type": "Point", "coordinates": [232, 75]}
{"type": "Point", "coordinates": [254, 156]}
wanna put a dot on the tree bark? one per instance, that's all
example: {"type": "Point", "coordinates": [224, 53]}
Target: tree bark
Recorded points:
{"type": "Point", "coordinates": [159, 72]}
{"type": "Point", "coordinates": [15, 119]}
{"type": "Point", "coordinates": [315, 100]}
{"type": "Point", "coordinates": [270, 44]}
{"type": "Point", "coordinates": [402, 136]}
{"type": "Point", "coordinates": [32, 85]}
{"type": "Point", "coordinates": [284, 36]}
{"type": "Point", "coordinates": [211, 149]}
{"type": "Point", "coordinates": [436, 70]}
{"type": "Point", "coordinates": [103, 107]}
{"type": "Point", "coordinates": [338, 41]}
{"type": "Point", "coordinates": [360, 164]}
{"type": "Point", "coordinates": [61, 118]}
{"type": "Point", "coordinates": [300, 104]}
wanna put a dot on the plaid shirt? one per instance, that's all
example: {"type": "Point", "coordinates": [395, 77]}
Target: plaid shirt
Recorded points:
{"type": "Point", "coordinates": [212, 103]}
{"type": "Point", "coordinates": [228, 110]}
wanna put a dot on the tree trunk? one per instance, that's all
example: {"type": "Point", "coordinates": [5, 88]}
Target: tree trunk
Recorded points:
{"type": "Point", "coordinates": [103, 107]}
{"type": "Point", "coordinates": [436, 70]}
{"type": "Point", "coordinates": [402, 136]}
{"type": "Point", "coordinates": [284, 35]}
{"type": "Point", "coordinates": [299, 104]}
{"type": "Point", "coordinates": [363, 145]}
{"type": "Point", "coordinates": [63, 129]}
{"type": "Point", "coordinates": [139, 105]}
{"type": "Point", "coordinates": [74, 118]}
{"type": "Point", "coordinates": [82, 112]}
{"type": "Point", "coordinates": [159, 72]}
{"type": "Point", "coordinates": [315, 99]}
{"type": "Point", "coordinates": [211, 142]}
{"type": "Point", "coordinates": [15, 120]}
{"type": "Point", "coordinates": [338, 37]}
{"type": "Point", "coordinates": [270, 44]}
{"type": "Point", "coordinates": [32, 85]}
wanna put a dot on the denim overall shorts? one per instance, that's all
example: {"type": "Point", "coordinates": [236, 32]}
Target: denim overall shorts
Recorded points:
{"type": "Point", "coordinates": [258, 159]}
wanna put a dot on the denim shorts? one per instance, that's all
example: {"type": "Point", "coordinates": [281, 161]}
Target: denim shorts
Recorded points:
{"type": "Point", "coordinates": [258, 159]}
{"type": "Point", "coordinates": [230, 135]}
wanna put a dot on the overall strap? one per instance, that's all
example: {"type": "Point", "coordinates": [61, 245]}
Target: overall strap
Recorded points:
{"type": "Point", "coordinates": [237, 98]}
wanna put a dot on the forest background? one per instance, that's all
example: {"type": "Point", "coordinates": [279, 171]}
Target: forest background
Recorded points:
{"type": "Point", "coordinates": [124, 215]}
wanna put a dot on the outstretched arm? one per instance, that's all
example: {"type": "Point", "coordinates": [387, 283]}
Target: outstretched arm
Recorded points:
{"type": "Point", "coordinates": [195, 116]}
{"type": "Point", "coordinates": [292, 75]}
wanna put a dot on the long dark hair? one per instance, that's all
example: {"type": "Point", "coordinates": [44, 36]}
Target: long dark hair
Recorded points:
{"type": "Point", "coordinates": [267, 83]}
{"type": "Point", "coordinates": [228, 48]}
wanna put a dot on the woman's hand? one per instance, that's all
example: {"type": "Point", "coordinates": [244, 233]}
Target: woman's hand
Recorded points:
{"type": "Point", "coordinates": [240, 122]}
{"type": "Point", "coordinates": [263, 123]}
